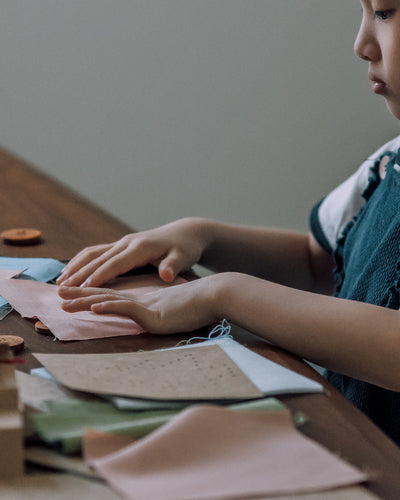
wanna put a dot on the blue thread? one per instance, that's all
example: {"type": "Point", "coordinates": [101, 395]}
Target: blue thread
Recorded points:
{"type": "Point", "coordinates": [220, 331]}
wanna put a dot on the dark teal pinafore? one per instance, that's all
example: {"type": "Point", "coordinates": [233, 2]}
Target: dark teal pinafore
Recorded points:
{"type": "Point", "coordinates": [368, 270]}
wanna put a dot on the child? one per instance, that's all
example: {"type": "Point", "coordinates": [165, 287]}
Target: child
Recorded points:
{"type": "Point", "coordinates": [279, 284]}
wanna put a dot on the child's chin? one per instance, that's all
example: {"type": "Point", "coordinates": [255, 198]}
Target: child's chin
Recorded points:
{"type": "Point", "coordinates": [394, 108]}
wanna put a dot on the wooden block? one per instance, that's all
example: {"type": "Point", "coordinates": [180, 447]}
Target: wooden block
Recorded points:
{"type": "Point", "coordinates": [8, 383]}
{"type": "Point", "coordinates": [11, 424]}
{"type": "Point", "coordinates": [11, 444]}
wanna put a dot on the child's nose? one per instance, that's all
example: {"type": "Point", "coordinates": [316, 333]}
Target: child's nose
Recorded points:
{"type": "Point", "coordinates": [366, 47]}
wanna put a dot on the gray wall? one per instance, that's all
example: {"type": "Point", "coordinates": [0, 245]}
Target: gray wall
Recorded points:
{"type": "Point", "coordinates": [246, 111]}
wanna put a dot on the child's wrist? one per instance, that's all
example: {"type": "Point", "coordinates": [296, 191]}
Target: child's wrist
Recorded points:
{"type": "Point", "coordinates": [217, 294]}
{"type": "Point", "coordinates": [203, 230]}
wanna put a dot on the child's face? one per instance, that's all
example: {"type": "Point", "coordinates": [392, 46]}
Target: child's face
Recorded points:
{"type": "Point", "coordinates": [378, 42]}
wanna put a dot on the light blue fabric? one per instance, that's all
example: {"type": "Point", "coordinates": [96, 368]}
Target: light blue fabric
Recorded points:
{"type": "Point", "coordinates": [38, 269]}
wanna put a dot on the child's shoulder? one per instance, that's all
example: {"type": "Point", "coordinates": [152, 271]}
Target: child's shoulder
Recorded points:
{"type": "Point", "coordinates": [357, 182]}
{"type": "Point", "coordinates": [331, 215]}
{"type": "Point", "coordinates": [393, 146]}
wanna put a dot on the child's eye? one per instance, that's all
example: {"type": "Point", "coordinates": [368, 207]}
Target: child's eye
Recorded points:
{"type": "Point", "coordinates": [383, 15]}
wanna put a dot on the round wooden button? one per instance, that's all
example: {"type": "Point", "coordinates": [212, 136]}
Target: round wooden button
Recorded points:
{"type": "Point", "coordinates": [14, 342]}
{"type": "Point", "coordinates": [21, 236]}
{"type": "Point", "coordinates": [42, 328]}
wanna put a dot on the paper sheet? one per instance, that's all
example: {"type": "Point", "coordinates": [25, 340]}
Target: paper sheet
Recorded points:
{"type": "Point", "coordinates": [271, 378]}
{"type": "Point", "coordinates": [8, 273]}
{"type": "Point", "coordinates": [65, 487]}
{"type": "Point", "coordinates": [34, 392]}
{"type": "Point", "coordinates": [198, 373]}
{"type": "Point", "coordinates": [89, 373]}
{"type": "Point", "coordinates": [5, 307]}
{"type": "Point", "coordinates": [351, 493]}
{"type": "Point", "coordinates": [35, 268]}
{"type": "Point", "coordinates": [97, 445]}
{"type": "Point", "coordinates": [64, 423]}
{"type": "Point", "coordinates": [51, 486]}
{"type": "Point", "coordinates": [209, 452]}
{"type": "Point", "coordinates": [32, 268]}
{"type": "Point", "coordinates": [41, 300]}
{"type": "Point", "coordinates": [53, 460]}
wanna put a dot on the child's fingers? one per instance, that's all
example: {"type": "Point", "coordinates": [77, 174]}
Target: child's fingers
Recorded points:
{"type": "Point", "coordinates": [80, 299]}
{"type": "Point", "coordinates": [81, 260]}
{"type": "Point", "coordinates": [101, 301]}
{"type": "Point", "coordinates": [77, 292]}
{"type": "Point", "coordinates": [128, 308]}
{"type": "Point", "coordinates": [172, 265]}
{"type": "Point", "coordinates": [111, 266]}
{"type": "Point", "coordinates": [73, 292]}
{"type": "Point", "coordinates": [93, 263]}
{"type": "Point", "coordinates": [85, 303]}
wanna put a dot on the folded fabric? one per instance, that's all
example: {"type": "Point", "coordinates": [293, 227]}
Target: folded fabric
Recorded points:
{"type": "Point", "coordinates": [97, 444]}
{"type": "Point", "coordinates": [8, 273]}
{"type": "Point", "coordinates": [210, 452]}
{"type": "Point", "coordinates": [64, 423]}
{"type": "Point", "coordinates": [36, 268]}
{"type": "Point", "coordinates": [40, 300]}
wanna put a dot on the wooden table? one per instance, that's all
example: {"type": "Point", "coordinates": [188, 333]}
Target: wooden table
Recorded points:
{"type": "Point", "coordinates": [29, 198]}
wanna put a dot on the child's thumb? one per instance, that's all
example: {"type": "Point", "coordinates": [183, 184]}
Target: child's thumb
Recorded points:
{"type": "Point", "coordinates": [127, 308]}
{"type": "Point", "coordinates": [171, 266]}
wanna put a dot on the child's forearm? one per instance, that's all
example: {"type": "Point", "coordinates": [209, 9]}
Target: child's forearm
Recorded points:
{"type": "Point", "coordinates": [353, 338]}
{"type": "Point", "coordinates": [284, 257]}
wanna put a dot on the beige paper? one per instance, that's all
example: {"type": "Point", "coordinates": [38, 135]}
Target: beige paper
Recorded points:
{"type": "Point", "coordinates": [201, 372]}
{"type": "Point", "coordinates": [54, 486]}
{"type": "Point", "coordinates": [211, 452]}
{"type": "Point", "coordinates": [351, 493]}
{"type": "Point", "coordinates": [35, 391]}
{"type": "Point", "coordinates": [49, 458]}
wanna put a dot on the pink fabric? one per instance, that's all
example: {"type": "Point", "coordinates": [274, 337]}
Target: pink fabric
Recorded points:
{"type": "Point", "coordinates": [98, 444]}
{"type": "Point", "coordinates": [33, 299]}
{"type": "Point", "coordinates": [209, 452]}
{"type": "Point", "coordinates": [8, 273]}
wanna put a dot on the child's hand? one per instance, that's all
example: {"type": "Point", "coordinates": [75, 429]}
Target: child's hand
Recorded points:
{"type": "Point", "coordinates": [180, 308]}
{"type": "Point", "coordinates": [173, 248]}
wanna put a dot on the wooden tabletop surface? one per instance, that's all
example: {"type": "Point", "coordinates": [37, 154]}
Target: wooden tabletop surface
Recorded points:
{"type": "Point", "coordinates": [29, 198]}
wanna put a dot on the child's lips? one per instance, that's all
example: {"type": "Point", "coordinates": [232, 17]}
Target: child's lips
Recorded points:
{"type": "Point", "coordinates": [378, 85]}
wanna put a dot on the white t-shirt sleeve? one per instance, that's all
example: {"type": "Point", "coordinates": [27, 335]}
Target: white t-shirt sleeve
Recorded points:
{"type": "Point", "coordinates": [331, 215]}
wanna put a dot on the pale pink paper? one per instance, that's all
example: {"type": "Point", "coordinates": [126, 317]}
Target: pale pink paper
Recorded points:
{"type": "Point", "coordinates": [97, 444]}
{"type": "Point", "coordinates": [33, 299]}
{"type": "Point", "coordinates": [8, 273]}
{"type": "Point", "coordinates": [209, 452]}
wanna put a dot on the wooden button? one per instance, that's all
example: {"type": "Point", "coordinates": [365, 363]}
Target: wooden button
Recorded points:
{"type": "Point", "coordinates": [42, 328]}
{"type": "Point", "coordinates": [12, 341]}
{"type": "Point", "coordinates": [21, 236]}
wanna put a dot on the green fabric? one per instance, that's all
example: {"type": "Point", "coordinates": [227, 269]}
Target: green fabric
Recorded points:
{"type": "Point", "coordinates": [64, 424]}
